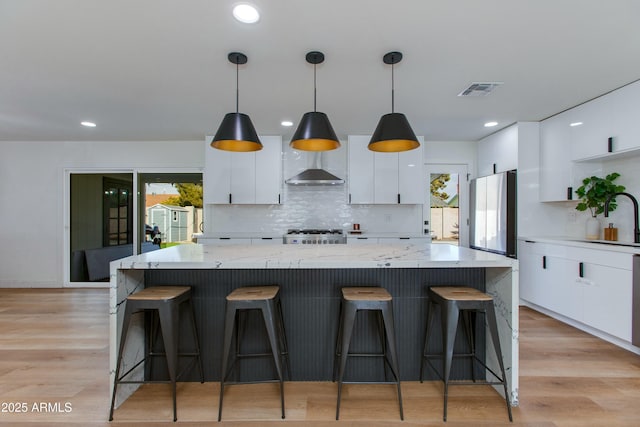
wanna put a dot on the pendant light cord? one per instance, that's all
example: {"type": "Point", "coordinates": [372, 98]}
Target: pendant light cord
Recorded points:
{"type": "Point", "coordinates": [392, 90]}
{"type": "Point", "coordinates": [237, 88]}
{"type": "Point", "coordinates": [314, 88]}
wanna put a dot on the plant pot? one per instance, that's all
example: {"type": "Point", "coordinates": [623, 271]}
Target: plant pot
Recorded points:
{"type": "Point", "coordinates": [593, 229]}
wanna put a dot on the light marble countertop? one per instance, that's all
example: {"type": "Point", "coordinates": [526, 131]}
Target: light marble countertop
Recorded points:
{"type": "Point", "coordinates": [602, 245]}
{"type": "Point", "coordinates": [270, 235]}
{"type": "Point", "coordinates": [398, 255]}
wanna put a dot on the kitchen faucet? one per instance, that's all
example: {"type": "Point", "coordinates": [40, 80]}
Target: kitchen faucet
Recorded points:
{"type": "Point", "coordinates": [636, 229]}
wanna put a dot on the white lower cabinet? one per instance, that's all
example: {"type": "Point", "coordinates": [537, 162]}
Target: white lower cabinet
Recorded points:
{"type": "Point", "coordinates": [266, 241]}
{"type": "Point", "coordinates": [362, 240]}
{"type": "Point", "coordinates": [219, 241]}
{"type": "Point", "coordinates": [590, 286]}
{"type": "Point", "coordinates": [608, 299]}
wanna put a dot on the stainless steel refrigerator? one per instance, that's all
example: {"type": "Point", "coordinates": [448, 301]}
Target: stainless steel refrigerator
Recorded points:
{"type": "Point", "coordinates": [493, 213]}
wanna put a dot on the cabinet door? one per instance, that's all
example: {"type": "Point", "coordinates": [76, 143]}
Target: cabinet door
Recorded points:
{"type": "Point", "coordinates": [411, 184]}
{"type": "Point", "coordinates": [540, 275]}
{"type": "Point", "coordinates": [361, 240]}
{"type": "Point", "coordinates": [268, 171]}
{"type": "Point", "coordinates": [266, 240]}
{"type": "Point", "coordinates": [589, 139]}
{"type": "Point", "coordinates": [555, 164]}
{"type": "Point", "coordinates": [243, 178]}
{"type": "Point", "coordinates": [385, 167]}
{"type": "Point", "coordinates": [361, 174]}
{"type": "Point", "coordinates": [528, 270]}
{"type": "Point", "coordinates": [499, 149]}
{"type": "Point", "coordinates": [565, 292]}
{"type": "Point", "coordinates": [217, 175]}
{"type": "Point", "coordinates": [608, 299]}
{"type": "Point", "coordinates": [625, 112]}
{"type": "Point", "coordinates": [223, 241]}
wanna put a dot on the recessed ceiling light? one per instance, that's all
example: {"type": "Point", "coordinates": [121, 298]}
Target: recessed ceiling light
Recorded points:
{"type": "Point", "coordinates": [286, 123]}
{"type": "Point", "coordinates": [575, 124]}
{"type": "Point", "coordinates": [88, 124]}
{"type": "Point", "coordinates": [246, 13]}
{"type": "Point", "coordinates": [490, 124]}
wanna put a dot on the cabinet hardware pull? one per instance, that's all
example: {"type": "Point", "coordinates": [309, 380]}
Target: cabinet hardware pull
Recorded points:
{"type": "Point", "coordinates": [349, 198]}
{"type": "Point", "coordinates": [569, 193]}
{"type": "Point", "coordinates": [494, 168]}
{"type": "Point", "coordinates": [581, 269]}
{"type": "Point", "coordinates": [544, 262]}
{"type": "Point", "coordinates": [229, 198]}
{"type": "Point", "coordinates": [610, 144]}
{"type": "Point", "coordinates": [279, 199]}
{"type": "Point", "coordinates": [398, 198]}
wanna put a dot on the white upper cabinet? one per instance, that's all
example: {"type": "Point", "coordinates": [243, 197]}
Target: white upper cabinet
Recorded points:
{"type": "Point", "coordinates": [498, 152]}
{"type": "Point", "coordinates": [384, 178]}
{"type": "Point", "coordinates": [626, 117]}
{"type": "Point", "coordinates": [555, 163]}
{"type": "Point", "coordinates": [412, 186]}
{"type": "Point", "coordinates": [268, 171]}
{"type": "Point", "coordinates": [609, 124]}
{"type": "Point", "coordinates": [361, 175]}
{"type": "Point", "coordinates": [244, 178]}
{"type": "Point", "coordinates": [590, 128]}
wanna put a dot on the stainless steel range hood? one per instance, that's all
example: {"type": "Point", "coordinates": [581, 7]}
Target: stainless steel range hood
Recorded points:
{"type": "Point", "coordinates": [315, 175]}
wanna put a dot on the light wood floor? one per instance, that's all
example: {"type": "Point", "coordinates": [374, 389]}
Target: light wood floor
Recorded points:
{"type": "Point", "coordinates": [54, 351]}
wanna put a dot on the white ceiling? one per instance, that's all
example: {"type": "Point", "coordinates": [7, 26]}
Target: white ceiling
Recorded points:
{"type": "Point", "coordinates": [158, 69]}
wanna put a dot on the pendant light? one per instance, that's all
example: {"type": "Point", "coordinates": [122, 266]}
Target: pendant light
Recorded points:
{"type": "Point", "coordinates": [236, 132]}
{"type": "Point", "coordinates": [393, 133]}
{"type": "Point", "coordinates": [314, 132]}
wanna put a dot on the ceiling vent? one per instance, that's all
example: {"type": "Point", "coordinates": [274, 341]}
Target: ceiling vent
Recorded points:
{"type": "Point", "coordinates": [480, 89]}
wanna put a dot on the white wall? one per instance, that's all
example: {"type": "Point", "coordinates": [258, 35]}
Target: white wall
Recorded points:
{"type": "Point", "coordinates": [32, 180]}
{"type": "Point", "coordinates": [452, 152]}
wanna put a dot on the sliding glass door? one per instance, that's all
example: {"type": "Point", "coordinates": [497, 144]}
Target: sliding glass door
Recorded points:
{"type": "Point", "coordinates": [115, 214]}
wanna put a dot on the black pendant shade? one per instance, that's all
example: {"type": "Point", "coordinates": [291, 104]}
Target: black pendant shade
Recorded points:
{"type": "Point", "coordinates": [393, 133]}
{"type": "Point", "coordinates": [314, 133]}
{"type": "Point", "coordinates": [236, 132]}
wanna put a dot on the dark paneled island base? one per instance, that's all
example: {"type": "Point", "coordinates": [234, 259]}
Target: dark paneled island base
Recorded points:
{"type": "Point", "coordinates": [311, 304]}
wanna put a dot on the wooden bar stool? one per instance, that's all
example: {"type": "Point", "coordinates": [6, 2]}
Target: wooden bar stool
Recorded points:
{"type": "Point", "coordinates": [454, 301]}
{"type": "Point", "coordinates": [267, 300]}
{"type": "Point", "coordinates": [164, 304]}
{"type": "Point", "coordinates": [377, 299]}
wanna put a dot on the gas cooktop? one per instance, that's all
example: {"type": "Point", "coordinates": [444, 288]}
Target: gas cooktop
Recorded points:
{"type": "Point", "coordinates": [314, 231]}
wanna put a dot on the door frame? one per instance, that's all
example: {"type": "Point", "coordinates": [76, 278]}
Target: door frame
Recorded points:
{"type": "Point", "coordinates": [462, 169]}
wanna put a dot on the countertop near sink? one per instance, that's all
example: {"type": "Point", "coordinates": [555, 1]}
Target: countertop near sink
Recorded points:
{"type": "Point", "coordinates": [625, 247]}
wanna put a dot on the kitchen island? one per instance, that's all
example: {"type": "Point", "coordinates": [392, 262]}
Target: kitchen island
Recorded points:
{"type": "Point", "coordinates": [310, 278]}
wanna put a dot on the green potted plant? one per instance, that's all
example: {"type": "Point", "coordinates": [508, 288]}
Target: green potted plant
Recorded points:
{"type": "Point", "coordinates": [593, 194]}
